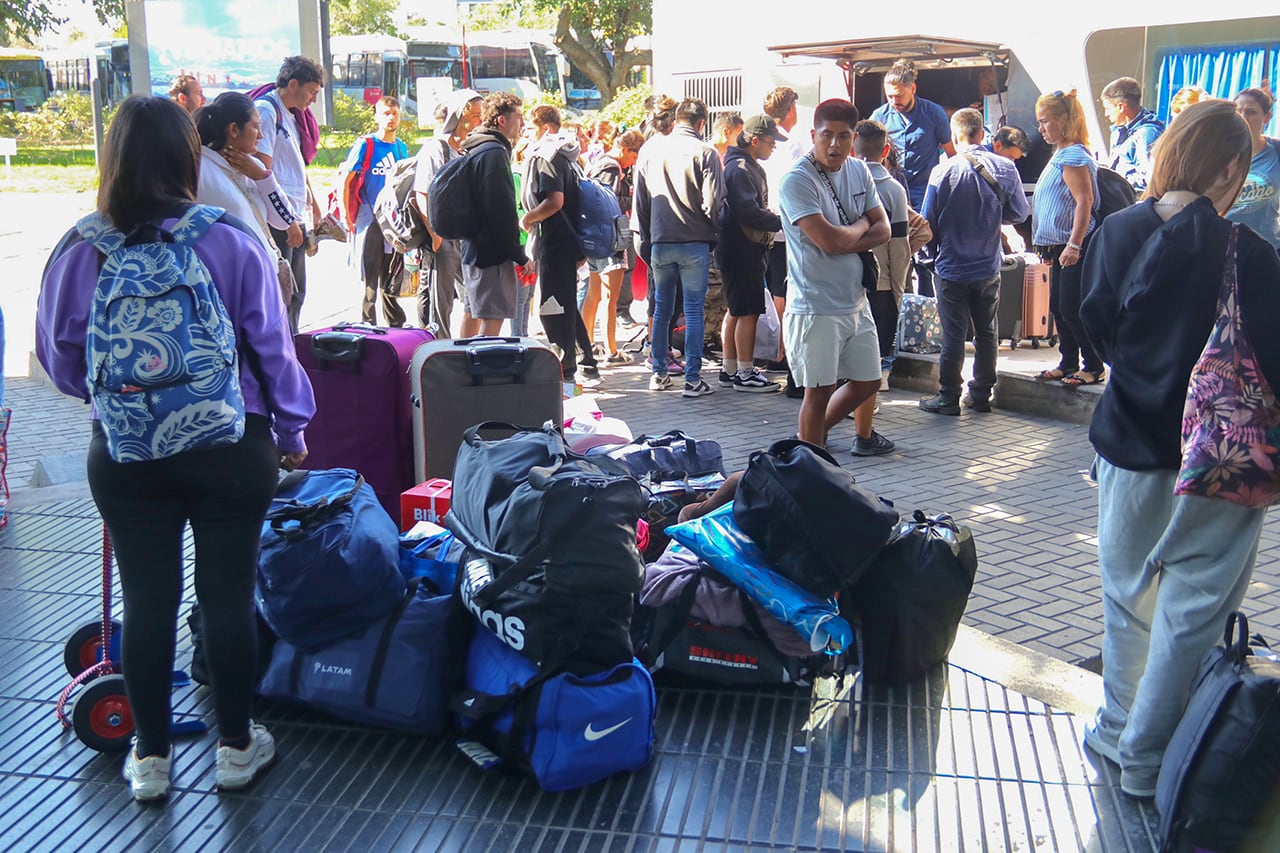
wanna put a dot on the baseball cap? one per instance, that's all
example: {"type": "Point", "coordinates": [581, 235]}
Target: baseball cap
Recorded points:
{"type": "Point", "coordinates": [762, 125]}
{"type": "Point", "coordinates": [457, 102]}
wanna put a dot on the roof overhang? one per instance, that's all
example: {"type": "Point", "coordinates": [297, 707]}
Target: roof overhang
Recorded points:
{"type": "Point", "coordinates": [872, 55]}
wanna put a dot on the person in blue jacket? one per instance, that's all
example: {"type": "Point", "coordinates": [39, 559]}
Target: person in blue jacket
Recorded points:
{"type": "Point", "coordinates": [921, 131]}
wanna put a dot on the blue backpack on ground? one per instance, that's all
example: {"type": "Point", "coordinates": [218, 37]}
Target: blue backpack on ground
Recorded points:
{"type": "Point", "coordinates": [329, 563]}
{"type": "Point", "coordinates": [567, 730]}
{"type": "Point", "coordinates": [601, 228]}
{"type": "Point", "coordinates": [162, 365]}
{"type": "Point", "coordinates": [393, 674]}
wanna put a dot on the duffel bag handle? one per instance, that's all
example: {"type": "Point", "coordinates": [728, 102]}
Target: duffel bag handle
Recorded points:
{"type": "Point", "coordinates": [471, 436]}
{"type": "Point", "coordinates": [786, 445]}
{"type": "Point", "coordinates": [667, 439]}
{"type": "Point", "coordinates": [300, 512]}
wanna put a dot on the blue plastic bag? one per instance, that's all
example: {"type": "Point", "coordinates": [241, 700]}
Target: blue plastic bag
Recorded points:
{"type": "Point", "coordinates": [430, 552]}
{"type": "Point", "coordinates": [716, 538]}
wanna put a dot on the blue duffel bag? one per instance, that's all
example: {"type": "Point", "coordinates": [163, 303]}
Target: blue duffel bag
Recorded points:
{"type": "Point", "coordinates": [329, 562]}
{"type": "Point", "coordinates": [566, 730]}
{"type": "Point", "coordinates": [393, 674]}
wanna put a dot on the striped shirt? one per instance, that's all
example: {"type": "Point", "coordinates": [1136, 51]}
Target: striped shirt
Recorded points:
{"type": "Point", "coordinates": [1055, 207]}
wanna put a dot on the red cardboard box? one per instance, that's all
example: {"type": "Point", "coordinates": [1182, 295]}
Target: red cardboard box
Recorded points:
{"type": "Point", "coordinates": [427, 501]}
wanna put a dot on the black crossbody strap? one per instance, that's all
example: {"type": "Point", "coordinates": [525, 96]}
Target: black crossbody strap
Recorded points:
{"type": "Point", "coordinates": [844, 217]}
{"type": "Point", "coordinates": [985, 174]}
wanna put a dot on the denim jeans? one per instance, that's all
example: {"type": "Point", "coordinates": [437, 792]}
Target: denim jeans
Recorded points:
{"type": "Point", "coordinates": [958, 303]}
{"type": "Point", "coordinates": [1173, 568]}
{"type": "Point", "coordinates": [520, 322]}
{"type": "Point", "coordinates": [688, 264]}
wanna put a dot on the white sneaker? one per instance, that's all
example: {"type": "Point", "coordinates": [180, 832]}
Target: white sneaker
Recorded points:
{"type": "Point", "coordinates": [701, 389]}
{"type": "Point", "coordinates": [236, 768]}
{"type": "Point", "coordinates": [148, 777]}
{"type": "Point", "coordinates": [884, 380]}
{"type": "Point", "coordinates": [659, 382]}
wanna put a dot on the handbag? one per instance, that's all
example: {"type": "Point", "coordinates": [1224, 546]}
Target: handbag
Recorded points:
{"type": "Point", "coordinates": [1231, 423]}
{"type": "Point", "coordinates": [870, 266]}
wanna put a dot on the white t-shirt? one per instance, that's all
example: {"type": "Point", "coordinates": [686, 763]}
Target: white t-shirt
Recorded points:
{"type": "Point", "coordinates": [282, 146]}
{"type": "Point", "coordinates": [818, 282]}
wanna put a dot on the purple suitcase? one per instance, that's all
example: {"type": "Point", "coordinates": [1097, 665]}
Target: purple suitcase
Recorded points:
{"type": "Point", "coordinates": [364, 419]}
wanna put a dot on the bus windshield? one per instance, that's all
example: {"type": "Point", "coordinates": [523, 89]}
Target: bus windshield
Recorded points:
{"type": "Point", "coordinates": [22, 83]}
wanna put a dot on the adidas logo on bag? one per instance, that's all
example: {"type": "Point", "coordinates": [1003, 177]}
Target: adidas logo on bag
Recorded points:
{"type": "Point", "coordinates": [509, 629]}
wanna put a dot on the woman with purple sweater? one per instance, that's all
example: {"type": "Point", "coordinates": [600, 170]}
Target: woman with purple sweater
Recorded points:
{"type": "Point", "coordinates": [148, 181]}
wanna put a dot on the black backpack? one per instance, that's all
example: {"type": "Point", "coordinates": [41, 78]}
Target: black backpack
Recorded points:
{"type": "Point", "coordinates": [1218, 787]}
{"type": "Point", "coordinates": [794, 500]}
{"type": "Point", "coordinates": [451, 200]}
{"type": "Point", "coordinates": [1114, 193]}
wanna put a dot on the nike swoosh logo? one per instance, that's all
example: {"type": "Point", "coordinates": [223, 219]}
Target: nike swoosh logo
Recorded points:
{"type": "Point", "coordinates": [593, 735]}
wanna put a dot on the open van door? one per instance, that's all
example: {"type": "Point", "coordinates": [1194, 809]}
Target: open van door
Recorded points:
{"type": "Point", "coordinates": [955, 73]}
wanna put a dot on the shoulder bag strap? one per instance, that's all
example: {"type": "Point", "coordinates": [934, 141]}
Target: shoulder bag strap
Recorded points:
{"type": "Point", "coordinates": [844, 217]}
{"type": "Point", "coordinates": [985, 174]}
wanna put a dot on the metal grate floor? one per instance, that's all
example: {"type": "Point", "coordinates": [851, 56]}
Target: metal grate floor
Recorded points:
{"type": "Point", "coordinates": [955, 762]}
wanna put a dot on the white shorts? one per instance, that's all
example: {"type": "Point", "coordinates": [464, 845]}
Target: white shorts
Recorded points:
{"type": "Point", "coordinates": [825, 348]}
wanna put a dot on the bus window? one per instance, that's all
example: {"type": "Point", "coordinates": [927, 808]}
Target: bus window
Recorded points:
{"type": "Point", "coordinates": [23, 82]}
{"type": "Point", "coordinates": [339, 73]}
{"type": "Point", "coordinates": [488, 62]}
{"type": "Point", "coordinates": [520, 64]}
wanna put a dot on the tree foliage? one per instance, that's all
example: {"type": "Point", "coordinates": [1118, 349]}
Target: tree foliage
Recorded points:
{"type": "Point", "coordinates": [627, 107]}
{"type": "Point", "coordinates": [509, 15]}
{"type": "Point", "coordinates": [26, 20]}
{"type": "Point", "coordinates": [590, 31]}
{"type": "Point", "coordinates": [359, 17]}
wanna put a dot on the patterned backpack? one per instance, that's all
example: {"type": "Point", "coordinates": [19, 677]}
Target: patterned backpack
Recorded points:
{"type": "Point", "coordinates": [162, 363]}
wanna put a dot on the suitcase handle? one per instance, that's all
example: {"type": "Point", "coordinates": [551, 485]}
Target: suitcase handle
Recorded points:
{"type": "Point", "coordinates": [342, 347]}
{"type": "Point", "coordinates": [363, 327]}
{"type": "Point", "coordinates": [487, 357]}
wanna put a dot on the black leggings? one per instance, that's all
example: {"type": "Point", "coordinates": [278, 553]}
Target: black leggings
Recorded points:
{"type": "Point", "coordinates": [558, 279]}
{"type": "Point", "coordinates": [1064, 305]}
{"type": "Point", "coordinates": [224, 492]}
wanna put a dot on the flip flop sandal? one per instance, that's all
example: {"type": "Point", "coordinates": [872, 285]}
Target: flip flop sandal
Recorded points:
{"type": "Point", "coordinates": [1082, 377]}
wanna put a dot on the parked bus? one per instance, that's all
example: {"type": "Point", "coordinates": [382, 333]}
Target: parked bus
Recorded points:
{"type": "Point", "coordinates": [515, 61]}
{"type": "Point", "coordinates": [369, 67]}
{"type": "Point", "coordinates": [69, 70]}
{"type": "Point", "coordinates": [24, 80]}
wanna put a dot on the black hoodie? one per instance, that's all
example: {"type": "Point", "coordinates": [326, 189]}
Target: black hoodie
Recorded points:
{"type": "Point", "coordinates": [495, 194]}
{"type": "Point", "coordinates": [1150, 302]}
{"type": "Point", "coordinates": [746, 199]}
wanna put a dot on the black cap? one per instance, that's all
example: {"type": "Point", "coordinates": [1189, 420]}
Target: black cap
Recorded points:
{"type": "Point", "coordinates": [762, 125]}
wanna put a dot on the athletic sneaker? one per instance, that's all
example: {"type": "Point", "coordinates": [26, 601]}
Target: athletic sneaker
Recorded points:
{"type": "Point", "coordinates": [618, 357]}
{"type": "Point", "coordinates": [940, 405]}
{"type": "Point", "coordinates": [753, 381]}
{"type": "Point", "coordinates": [876, 445]}
{"type": "Point", "coordinates": [884, 380]}
{"type": "Point", "coordinates": [726, 379]}
{"type": "Point", "coordinates": [148, 777]}
{"type": "Point", "coordinates": [675, 367]}
{"type": "Point", "coordinates": [589, 370]}
{"type": "Point", "coordinates": [658, 382]}
{"type": "Point", "coordinates": [702, 389]}
{"type": "Point", "coordinates": [1099, 744]}
{"type": "Point", "coordinates": [626, 320]}
{"type": "Point", "coordinates": [236, 768]}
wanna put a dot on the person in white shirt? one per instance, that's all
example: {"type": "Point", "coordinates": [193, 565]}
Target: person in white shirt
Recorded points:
{"type": "Point", "coordinates": [297, 85]}
{"type": "Point", "coordinates": [233, 179]}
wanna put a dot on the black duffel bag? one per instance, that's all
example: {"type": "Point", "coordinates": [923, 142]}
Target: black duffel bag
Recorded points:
{"type": "Point", "coordinates": [817, 527]}
{"type": "Point", "coordinates": [909, 602]}
{"type": "Point", "coordinates": [552, 566]}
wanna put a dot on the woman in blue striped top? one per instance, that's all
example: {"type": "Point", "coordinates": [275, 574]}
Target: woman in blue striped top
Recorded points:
{"type": "Point", "coordinates": [1063, 215]}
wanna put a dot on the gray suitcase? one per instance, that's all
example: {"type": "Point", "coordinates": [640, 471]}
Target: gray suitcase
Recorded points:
{"type": "Point", "coordinates": [459, 383]}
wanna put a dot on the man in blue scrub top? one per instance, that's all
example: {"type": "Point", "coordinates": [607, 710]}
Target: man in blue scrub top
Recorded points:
{"type": "Point", "coordinates": [920, 129]}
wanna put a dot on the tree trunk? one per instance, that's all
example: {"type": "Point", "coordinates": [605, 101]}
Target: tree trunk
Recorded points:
{"type": "Point", "coordinates": [591, 62]}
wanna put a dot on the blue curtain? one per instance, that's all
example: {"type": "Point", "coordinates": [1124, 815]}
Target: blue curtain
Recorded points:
{"type": "Point", "coordinates": [1220, 71]}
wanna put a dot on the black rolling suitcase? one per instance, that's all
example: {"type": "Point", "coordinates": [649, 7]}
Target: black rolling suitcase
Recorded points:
{"type": "Point", "coordinates": [462, 382]}
{"type": "Point", "coordinates": [1013, 270]}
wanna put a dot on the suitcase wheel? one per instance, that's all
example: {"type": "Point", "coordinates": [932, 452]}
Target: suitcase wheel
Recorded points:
{"type": "Point", "coordinates": [1035, 343]}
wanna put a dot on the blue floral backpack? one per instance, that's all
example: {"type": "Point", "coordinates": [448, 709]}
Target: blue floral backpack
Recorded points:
{"type": "Point", "coordinates": [162, 364]}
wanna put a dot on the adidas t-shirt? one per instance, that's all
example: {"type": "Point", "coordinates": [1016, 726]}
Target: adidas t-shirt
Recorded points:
{"type": "Point", "coordinates": [385, 155]}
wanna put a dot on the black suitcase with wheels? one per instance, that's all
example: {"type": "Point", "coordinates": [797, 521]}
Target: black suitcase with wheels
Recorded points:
{"type": "Point", "coordinates": [1013, 271]}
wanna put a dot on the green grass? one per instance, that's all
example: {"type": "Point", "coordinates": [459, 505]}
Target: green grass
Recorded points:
{"type": "Point", "coordinates": [53, 155]}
